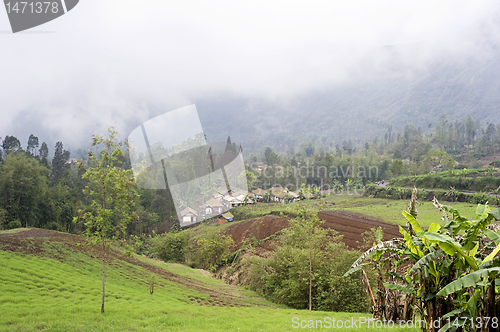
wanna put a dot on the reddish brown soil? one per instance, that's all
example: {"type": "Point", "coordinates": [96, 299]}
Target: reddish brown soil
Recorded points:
{"type": "Point", "coordinates": [30, 242]}
{"type": "Point", "coordinates": [259, 228]}
{"type": "Point", "coordinates": [351, 225]}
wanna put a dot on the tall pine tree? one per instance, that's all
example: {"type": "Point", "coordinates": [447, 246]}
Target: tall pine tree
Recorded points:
{"type": "Point", "coordinates": [59, 163]}
{"type": "Point", "coordinates": [44, 154]}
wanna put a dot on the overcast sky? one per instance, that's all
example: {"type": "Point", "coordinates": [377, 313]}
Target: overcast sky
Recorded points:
{"type": "Point", "coordinates": [107, 60]}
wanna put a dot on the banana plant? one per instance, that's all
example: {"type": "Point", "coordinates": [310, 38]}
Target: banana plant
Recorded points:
{"type": "Point", "coordinates": [452, 267]}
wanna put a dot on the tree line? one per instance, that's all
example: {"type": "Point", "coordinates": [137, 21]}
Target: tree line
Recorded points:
{"type": "Point", "coordinates": [43, 191]}
{"type": "Point", "coordinates": [451, 145]}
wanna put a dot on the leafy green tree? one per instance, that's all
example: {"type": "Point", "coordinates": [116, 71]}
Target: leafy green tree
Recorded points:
{"type": "Point", "coordinates": [470, 130]}
{"type": "Point", "coordinates": [246, 180]}
{"type": "Point", "coordinates": [489, 135]}
{"type": "Point", "coordinates": [170, 247]}
{"type": "Point", "coordinates": [59, 208]}
{"type": "Point", "coordinates": [231, 146]}
{"type": "Point", "coordinates": [23, 187]}
{"type": "Point", "coordinates": [397, 167]}
{"type": "Point", "coordinates": [213, 250]}
{"type": "Point", "coordinates": [3, 218]}
{"type": "Point", "coordinates": [305, 270]}
{"type": "Point", "coordinates": [309, 148]}
{"type": "Point", "coordinates": [267, 152]}
{"type": "Point", "coordinates": [111, 193]}
{"type": "Point", "coordinates": [10, 143]}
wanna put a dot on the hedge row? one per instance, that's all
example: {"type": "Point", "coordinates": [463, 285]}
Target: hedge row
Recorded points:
{"type": "Point", "coordinates": [391, 192]}
{"type": "Point", "coordinates": [442, 181]}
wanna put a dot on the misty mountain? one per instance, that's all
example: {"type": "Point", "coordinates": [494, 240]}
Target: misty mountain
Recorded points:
{"type": "Point", "coordinates": [360, 110]}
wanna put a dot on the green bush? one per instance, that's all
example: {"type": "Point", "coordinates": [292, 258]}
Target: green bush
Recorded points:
{"type": "Point", "coordinates": [459, 179]}
{"type": "Point", "coordinates": [14, 224]}
{"type": "Point", "coordinates": [424, 194]}
{"type": "Point", "coordinates": [170, 247]}
{"type": "Point", "coordinates": [213, 250]}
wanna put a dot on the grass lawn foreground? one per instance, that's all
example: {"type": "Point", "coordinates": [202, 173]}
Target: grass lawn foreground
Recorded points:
{"type": "Point", "coordinates": [60, 290]}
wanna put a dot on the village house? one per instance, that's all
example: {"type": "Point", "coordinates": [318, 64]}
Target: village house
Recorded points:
{"type": "Point", "coordinates": [214, 207]}
{"type": "Point", "coordinates": [188, 217]}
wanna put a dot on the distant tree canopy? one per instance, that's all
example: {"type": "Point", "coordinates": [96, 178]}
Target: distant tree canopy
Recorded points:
{"type": "Point", "coordinates": [36, 191]}
{"type": "Point", "coordinates": [10, 143]}
{"type": "Point", "coordinates": [23, 189]}
{"type": "Point", "coordinates": [32, 145]}
{"type": "Point", "coordinates": [457, 144]}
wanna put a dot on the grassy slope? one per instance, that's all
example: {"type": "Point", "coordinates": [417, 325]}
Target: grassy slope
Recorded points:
{"type": "Point", "coordinates": [63, 294]}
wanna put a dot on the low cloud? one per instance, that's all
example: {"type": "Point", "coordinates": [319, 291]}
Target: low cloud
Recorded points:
{"type": "Point", "coordinates": [125, 62]}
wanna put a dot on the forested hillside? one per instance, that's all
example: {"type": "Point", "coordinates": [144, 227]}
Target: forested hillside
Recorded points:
{"type": "Point", "coordinates": [37, 190]}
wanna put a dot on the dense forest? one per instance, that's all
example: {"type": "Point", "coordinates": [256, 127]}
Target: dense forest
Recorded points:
{"type": "Point", "coordinates": [39, 191]}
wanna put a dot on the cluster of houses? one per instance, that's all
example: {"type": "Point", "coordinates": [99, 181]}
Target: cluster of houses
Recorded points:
{"type": "Point", "coordinates": [220, 205]}
{"type": "Point", "coordinates": [217, 206]}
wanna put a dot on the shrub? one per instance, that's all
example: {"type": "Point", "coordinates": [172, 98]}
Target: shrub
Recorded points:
{"type": "Point", "coordinates": [14, 224]}
{"type": "Point", "coordinates": [170, 247]}
{"type": "Point", "coordinates": [213, 250]}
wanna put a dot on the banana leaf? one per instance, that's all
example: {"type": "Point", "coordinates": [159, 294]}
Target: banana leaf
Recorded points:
{"type": "Point", "coordinates": [426, 260]}
{"type": "Point", "coordinates": [434, 227]}
{"type": "Point", "coordinates": [469, 280]}
{"type": "Point", "coordinates": [355, 269]}
{"type": "Point", "coordinates": [447, 243]}
{"type": "Point", "coordinates": [413, 222]}
{"type": "Point", "coordinates": [482, 211]}
{"type": "Point", "coordinates": [492, 236]}
{"type": "Point", "coordinates": [492, 254]}
{"type": "Point", "coordinates": [472, 303]}
{"type": "Point", "coordinates": [495, 213]}
{"type": "Point", "coordinates": [410, 244]}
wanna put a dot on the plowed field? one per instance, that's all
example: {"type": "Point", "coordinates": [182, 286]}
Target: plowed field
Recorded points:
{"type": "Point", "coordinates": [350, 224]}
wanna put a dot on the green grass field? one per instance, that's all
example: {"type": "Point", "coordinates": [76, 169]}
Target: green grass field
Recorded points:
{"type": "Point", "coordinates": [59, 289]}
{"type": "Point", "coordinates": [390, 210]}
